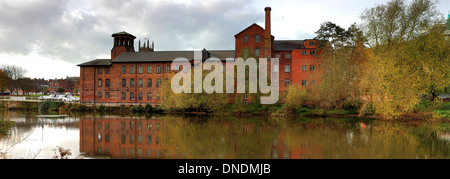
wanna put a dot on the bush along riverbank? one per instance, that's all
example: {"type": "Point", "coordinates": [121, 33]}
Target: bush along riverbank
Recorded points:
{"type": "Point", "coordinates": [5, 126]}
{"type": "Point", "coordinates": [426, 110]}
{"type": "Point", "coordinates": [304, 107]}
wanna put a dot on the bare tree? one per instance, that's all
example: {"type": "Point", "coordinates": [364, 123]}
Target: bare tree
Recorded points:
{"type": "Point", "coordinates": [13, 73]}
{"type": "Point", "coordinates": [397, 21]}
{"type": "Point", "coordinates": [25, 84]}
{"type": "Point", "coordinates": [3, 82]}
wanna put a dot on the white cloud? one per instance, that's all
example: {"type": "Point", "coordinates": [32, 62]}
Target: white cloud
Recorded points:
{"type": "Point", "coordinates": [41, 67]}
{"type": "Point", "coordinates": [70, 32]}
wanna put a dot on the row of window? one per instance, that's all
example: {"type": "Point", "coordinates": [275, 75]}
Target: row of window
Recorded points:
{"type": "Point", "coordinates": [287, 68]}
{"type": "Point", "coordinates": [124, 82]}
{"type": "Point", "coordinates": [140, 69]}
{"type": "Point", "coordinates": [158, 82]}
{"type": "Point", "coordinates": [287, 82]}
{"type": "Point", "coordinates": [124, 96]}
{"type": "Point", "coordinates": [305, 82]}
{"type": "Point", "coordinates": [305, 67]}
{"type": "Point", "coordinates": [257, 38]}
{"type": "Point", "coordinates": [158, 153]}
{"type": "Point", "coordinates": [149, 81]}
{"type": "Point", "coordinates": [287, 55]}
{"type": "Point", "coordinates": [312, 52]}
{"type": "Point", "coordinates": [123, 138]}
{"type": "Point", "coordinates": [131, 125]}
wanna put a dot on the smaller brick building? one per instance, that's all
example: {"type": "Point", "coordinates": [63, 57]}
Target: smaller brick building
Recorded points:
{"type": "Point", "coordinates": [69, 84]}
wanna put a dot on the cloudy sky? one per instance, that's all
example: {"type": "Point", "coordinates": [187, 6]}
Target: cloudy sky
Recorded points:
{"type": "Point", "coordinates": [50, 37]}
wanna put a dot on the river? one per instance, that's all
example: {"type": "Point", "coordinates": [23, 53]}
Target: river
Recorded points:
{"type": "Point", "coordinates": [220, 137]}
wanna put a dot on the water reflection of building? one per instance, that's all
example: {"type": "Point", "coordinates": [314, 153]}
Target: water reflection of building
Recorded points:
{"type": "Point", "coordinates": [288, 146]}
{"type": "Point", "coordinates": [123, 138]}
{"type": "Point", "coordinates": [138, 137]}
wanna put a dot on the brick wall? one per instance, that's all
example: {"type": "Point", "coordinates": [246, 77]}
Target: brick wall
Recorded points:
{"type": "Point", "coordinates": [92, 89]}
{"type": "Point", "coordinates": [251, 31]}
{"type": "Point", "coordinates": [312, 74]}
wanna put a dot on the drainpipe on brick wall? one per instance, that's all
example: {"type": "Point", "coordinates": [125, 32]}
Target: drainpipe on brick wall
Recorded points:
{"type": "Point", "coordinates": [136, 70]}
{"type": "Point", "coordinates": [94, 86]}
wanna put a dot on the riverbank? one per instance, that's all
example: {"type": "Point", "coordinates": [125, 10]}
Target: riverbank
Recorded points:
{"type": "Point", "coordinates": [425, 111]}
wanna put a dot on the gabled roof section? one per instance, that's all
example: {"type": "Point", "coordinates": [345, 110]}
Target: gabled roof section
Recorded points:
{"type": "Point", "coordinates": [222, 54]}
{"type": "Point", "coordinates": [254, 24]}
{"type": "Point", "coordinates": [287, 45]}
{"type": "Point", "coordinates": [97, 62]}
{"type": "Point", "coordinates": [158, 56]}
{"type": "Point", "coordinates": [167, 56]}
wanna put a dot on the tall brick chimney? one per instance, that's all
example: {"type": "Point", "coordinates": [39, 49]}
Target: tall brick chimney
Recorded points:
{"type": "Point", "coordinates": [267, 35]}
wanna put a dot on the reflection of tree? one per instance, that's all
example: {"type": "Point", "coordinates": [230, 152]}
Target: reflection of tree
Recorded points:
{"type": "Point", "coordinates": [367, 140]}
{"type": "Point", "coordinates": [218, 138]}
{"type": "Point", "coordinates": [18, 140]}
{"type": "Point", "coordinates": [25, 124]}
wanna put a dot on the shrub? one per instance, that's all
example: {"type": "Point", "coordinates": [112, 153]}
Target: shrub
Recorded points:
{"type": "Point", "coordinates": [367, 109]}
{"type": "Point", "coordinates": [5, 126]}
{"type": "Point", "coordinates": [148, 108]}
{"type": "Point", "coordinates": [284, 111]}
{"type": "Point", "coordinates": [352, 104]}
{"type": "Point", "coordinates": [297, 98]}
{"type": "Point", "coordinates": [138, 109]}
{"type": "Point", "coordinates": [80, 107]}
{"type": "Point", "coordinates": [100, 107]}
{"type": "Point", "coordinates": [302, 111]}
{"type": "Point", "coordinates": [50, 105]}
{"type": "Point", "coordinates": [44, 106]}
{"type": "Point", "coordinates": [131, 108]}
{"type": "Point", "coordinates": [54, 105]}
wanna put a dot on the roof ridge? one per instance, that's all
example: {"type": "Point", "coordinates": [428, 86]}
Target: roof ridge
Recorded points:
{"type": "Point", "coordinates": [248, 28]}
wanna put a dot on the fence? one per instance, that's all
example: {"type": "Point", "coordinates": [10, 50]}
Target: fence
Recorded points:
{"type": "Point", "coordinates": [18, 98]}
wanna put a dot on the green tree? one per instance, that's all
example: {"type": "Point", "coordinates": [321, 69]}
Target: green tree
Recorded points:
{"type": "Point", "coordinates": [397, 21]}
{"type": "Point", "coordinates": [409, 55]}
{"type": "Point", "coordinates": [192, 101]}
{"type": "Point", "coordinates": [429, 55]}
{"type": "Point", "coordinates": [341, 55]}
{"type": "Point", "coordinates": [60, 90]}
{"type": "Point", "coordinates": [45, 90]}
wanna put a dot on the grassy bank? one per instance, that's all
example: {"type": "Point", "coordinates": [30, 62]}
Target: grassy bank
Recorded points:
{"type": "Point", "coordinates": [425, 110]}
{"type": "Point", "coordinates": [286, 111]}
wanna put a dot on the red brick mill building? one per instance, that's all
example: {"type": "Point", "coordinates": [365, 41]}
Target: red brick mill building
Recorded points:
{"type": "Point", "coordinates": [134, 77]}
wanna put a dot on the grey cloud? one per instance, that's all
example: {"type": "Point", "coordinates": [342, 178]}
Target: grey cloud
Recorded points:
{"type": "Point", "coordinates": [80, 33]}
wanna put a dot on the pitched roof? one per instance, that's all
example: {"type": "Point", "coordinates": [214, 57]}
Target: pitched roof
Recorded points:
{"type": "Point", "coordinates": [97, 62]}
{"type": "Point", "coordinates": [167, 56]}
{"type": "Point", "coordinates": [122, 34]}
{"type": "Point", "coordinates": [222, 54]}
{"type": "Point", "coordinates": [254, 24]}
{"type": "Point", "coordinates": [287, 45]}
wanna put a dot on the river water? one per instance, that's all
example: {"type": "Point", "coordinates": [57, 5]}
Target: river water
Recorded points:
{"type": "Point", "coordinates": [216, 137]}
